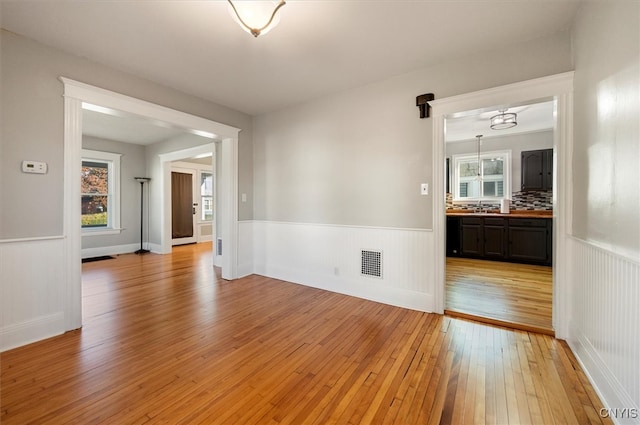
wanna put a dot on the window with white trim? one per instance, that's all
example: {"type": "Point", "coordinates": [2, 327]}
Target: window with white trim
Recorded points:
{"type": "Point", "coordinates": [488, 179]}
{"type": "Point", "coordinates": [100, 192]}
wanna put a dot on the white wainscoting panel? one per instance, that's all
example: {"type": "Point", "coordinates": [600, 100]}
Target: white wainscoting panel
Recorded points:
{"type": "Point", "coordinates": [245, 248]}
{"type": "Point", "coordinates": [329, 257]}
{"type": "Point", "coordinates": [605, 327]}
{"type": "Point", "coordinates": [32, 291]}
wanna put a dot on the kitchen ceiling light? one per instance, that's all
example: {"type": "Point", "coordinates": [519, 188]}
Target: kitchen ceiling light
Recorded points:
{"type": "Point", "coordinates": [504, 120]}
{"type": "Point", "coordinates": [256, 17]}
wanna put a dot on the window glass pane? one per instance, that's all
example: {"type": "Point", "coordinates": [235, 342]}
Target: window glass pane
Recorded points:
{"type": "Point", "coordinates": [206, 184]}
{"type": "Point", "coordinates": [206, 192]}
{"type": "Point", "coordinates": [207, 208]}
{"type": "Point", "coordinates": [492, 167]}
{"type": "Point", "coordinates": [94, 210]}
{"type": "Point", "coordinates": [469, 169]}
{"type": "Point", "coordinates": [95, 190]}
{"type": "Point", "coordinates": [489, 188]}
{"type": "Point", "coordinates": [95, 177]}
{"type": "Point", "coordinates": [470, 188]}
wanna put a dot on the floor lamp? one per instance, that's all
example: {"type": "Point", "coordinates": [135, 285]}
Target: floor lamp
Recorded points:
{"type": "Point", "coordinates": [142, 180]}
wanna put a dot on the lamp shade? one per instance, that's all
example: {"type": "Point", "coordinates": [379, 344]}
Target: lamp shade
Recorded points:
{"type": "Point", "coordinates": [255, 17]}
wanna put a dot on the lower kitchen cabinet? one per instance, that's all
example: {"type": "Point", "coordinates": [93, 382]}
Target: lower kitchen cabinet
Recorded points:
{"type": "Point", "coordinates": [471, 237]}
{"type": "Point", "coordinates": [518, 240]}
{"type": "Point", "coordinates": [530, 240]}
{"type": "Point", "coordinates": [494, 231]}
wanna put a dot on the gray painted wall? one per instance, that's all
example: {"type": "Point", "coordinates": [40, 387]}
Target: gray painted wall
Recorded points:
{"type": "Point", "coordinates": [606, 132]}
{"type": "Point", "coordinates": [358, 157]}
{"type": "Point", "coordinates": [516, 143]}
{"type": "Point", "coordinates": [32, 128]}
{"type": "Point", "coordinates": [132, 164]}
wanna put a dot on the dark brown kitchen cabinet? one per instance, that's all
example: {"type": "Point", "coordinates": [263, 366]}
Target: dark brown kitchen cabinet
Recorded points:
{"type": "Point", "coordinates": [471, 237]}
{"type": "Point", "coordinates": [530, 240]}
{"type": "Point", "coordinates": [494, 232]}
{"type": "Point", "coordinates": [483, 237]}
{"type": "Point", "coordinates": [537, 169]}
{"type": "Point", "coordinates": [517, 240]}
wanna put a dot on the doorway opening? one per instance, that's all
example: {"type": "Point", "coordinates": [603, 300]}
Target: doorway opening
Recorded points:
{"type": "Point", "coordinates": [76, 96]}
{"type": "Point", "coordinates": [193, 200]}
{"type": "Point", "coordinates": [499, 213]}
{"type": "Point", "coordinates": [558, 89]}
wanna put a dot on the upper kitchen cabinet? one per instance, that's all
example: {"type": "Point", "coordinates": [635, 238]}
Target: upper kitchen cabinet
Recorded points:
{"type": "Point", "coordinates": [537, 169]}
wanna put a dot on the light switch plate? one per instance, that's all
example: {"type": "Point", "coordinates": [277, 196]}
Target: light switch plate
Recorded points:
{"type": "Point", "coordinates": [424, 189]}
{"type": "Point", "coordinates": [34, 167]}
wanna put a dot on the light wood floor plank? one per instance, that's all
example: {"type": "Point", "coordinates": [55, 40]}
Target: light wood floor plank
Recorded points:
{"type": "Point", "coordinates": [167, 341]}
{"type": "Point", "coordinates": [515, 295]}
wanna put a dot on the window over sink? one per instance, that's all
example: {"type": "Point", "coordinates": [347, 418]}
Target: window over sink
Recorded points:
{"type": "Point", "coordinates": [482, 178]}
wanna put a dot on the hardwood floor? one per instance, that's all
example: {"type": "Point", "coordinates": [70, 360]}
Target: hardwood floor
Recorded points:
{"type": "Point", "coordinates": [165, 340]}
{"type": "Point", "coordinates": [514, 295]}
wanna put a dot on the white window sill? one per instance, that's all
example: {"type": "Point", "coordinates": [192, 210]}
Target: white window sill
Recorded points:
{"type": "Point", "coordinates": [101, 232]}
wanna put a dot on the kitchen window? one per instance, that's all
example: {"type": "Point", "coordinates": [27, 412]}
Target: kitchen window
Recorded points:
{"type": "Point", "coordinates": [100, 192]}
{"type": "Point", "coordinates": [483, 177]}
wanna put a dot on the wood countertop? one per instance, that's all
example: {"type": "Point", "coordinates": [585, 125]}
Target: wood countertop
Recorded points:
{"type": "Point", "coordinates": [496, 213]}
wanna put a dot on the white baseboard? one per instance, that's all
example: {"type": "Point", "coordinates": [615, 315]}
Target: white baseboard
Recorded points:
{"type": "Point", "coordinates": [109, 250]}
{"type": "Point", "coordinates": [19, 334]}
{"type": "Point", "coordinates": [157, 248]}
{"type": "Point", "coordinates": [608, 388]}
{"type": "Point", "coordinates": [372, 290]}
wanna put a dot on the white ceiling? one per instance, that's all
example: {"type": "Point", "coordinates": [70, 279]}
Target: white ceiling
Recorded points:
{"type": "Point", "coordinates": [126, 128]}
{"type": "Point", "coordinates": [320, 47]}
{"type": "Point", "coordinates": [531, 118]}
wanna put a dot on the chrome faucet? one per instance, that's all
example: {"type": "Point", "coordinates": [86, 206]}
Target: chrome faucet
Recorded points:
{"type": "Point", "coordinates": [478, 208]}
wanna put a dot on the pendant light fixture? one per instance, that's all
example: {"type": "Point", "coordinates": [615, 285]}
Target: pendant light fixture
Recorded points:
{"type": "Point", "coordinates": [504, 120]}
{"type": "Point", "coordinates": [479, 136]}
{"type": "Point", "coordinates": [256, 17]}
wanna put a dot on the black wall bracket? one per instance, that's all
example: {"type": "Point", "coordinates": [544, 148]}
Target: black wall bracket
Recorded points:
{"type": "Point", "coordinates": [423, 105]}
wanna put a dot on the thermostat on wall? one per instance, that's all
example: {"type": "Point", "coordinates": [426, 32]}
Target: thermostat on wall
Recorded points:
{"type": "Point", "coordinates": [34, 167]}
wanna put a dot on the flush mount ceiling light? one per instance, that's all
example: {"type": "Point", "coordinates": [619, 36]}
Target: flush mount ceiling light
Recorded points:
{"type": "Point", "coordinates": [503, 120]}
{"type": "Point", "coordinates": [256, 17]}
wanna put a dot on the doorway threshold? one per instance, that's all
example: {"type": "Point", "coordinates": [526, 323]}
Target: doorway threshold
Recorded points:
{"type": "Point", "coordinates": [501, 323]}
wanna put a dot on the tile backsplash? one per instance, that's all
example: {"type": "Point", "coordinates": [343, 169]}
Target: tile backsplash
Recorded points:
{"type": "Point", "coordinates": [520, 201]}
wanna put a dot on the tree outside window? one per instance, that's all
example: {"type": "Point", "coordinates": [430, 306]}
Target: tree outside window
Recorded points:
{"type": "Point", "coordinates": [99, 191]}
{"type": "Point", "coordinates": [95, 194]}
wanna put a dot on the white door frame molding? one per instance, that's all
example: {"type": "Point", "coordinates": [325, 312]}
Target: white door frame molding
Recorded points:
{"type": "Point", "coordinates": [75, 93]}
{"type": "Point", "coordinates": [558, 87]}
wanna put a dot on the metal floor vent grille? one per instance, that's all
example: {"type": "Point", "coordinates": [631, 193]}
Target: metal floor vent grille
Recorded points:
{"type": "Point", "coordinates": [371, 263]}
{"type": "Point", "coordinates": [219, 246]}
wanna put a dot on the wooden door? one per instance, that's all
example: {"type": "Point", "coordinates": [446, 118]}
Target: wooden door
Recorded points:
{"type": "Point", "coordinates": [182, 207]}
